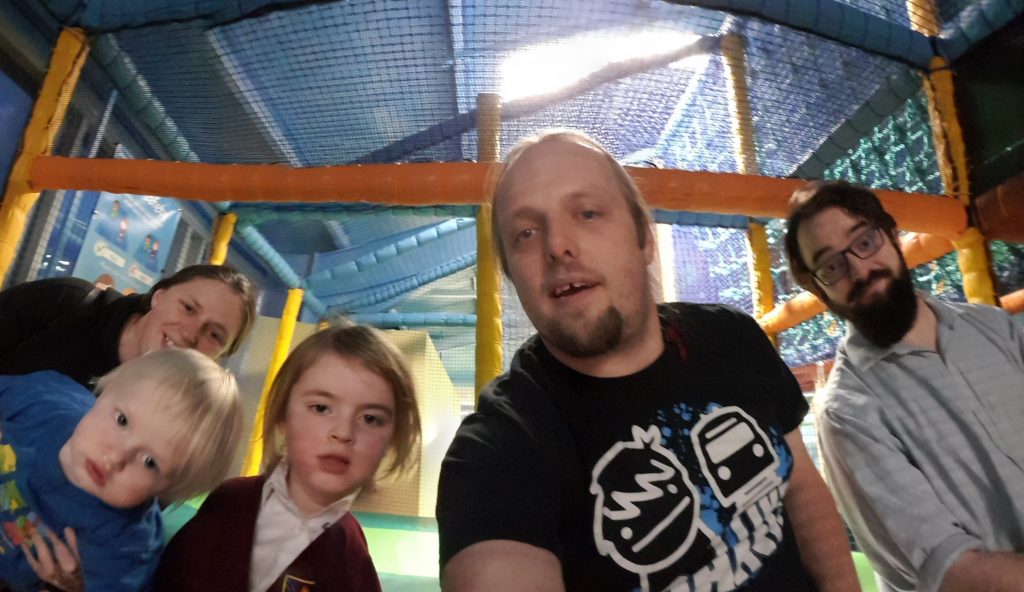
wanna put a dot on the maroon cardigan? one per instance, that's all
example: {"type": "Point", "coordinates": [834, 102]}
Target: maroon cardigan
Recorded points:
{"type": "Point", "coordinates": [212, 551]}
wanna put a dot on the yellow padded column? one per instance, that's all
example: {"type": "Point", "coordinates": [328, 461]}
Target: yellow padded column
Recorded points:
{"type": "Point", "coordinates": [285, 332]}
{"type": "Point", "coordinates": [951, 154]}
{"type": "Point", "coordinates": [761, 284]}
{"type": "Point", "coordinates": [488, 274]}
{"type": "Point", "coordinates": [47, 115]}
{"type": "Point", "coordinates": [222, 238]}
{"type": "Point", "coordinates": [972, 253]}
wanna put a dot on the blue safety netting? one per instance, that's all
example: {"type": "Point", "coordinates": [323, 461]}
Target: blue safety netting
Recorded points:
{"type": "Point", "coordinates": [834, 91]}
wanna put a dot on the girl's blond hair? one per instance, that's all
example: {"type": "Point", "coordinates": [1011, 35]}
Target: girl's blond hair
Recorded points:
{"type": "Point", "coordinates": [369, 347]}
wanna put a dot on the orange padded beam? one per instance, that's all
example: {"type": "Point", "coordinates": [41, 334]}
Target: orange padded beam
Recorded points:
{"type": "Point", "coordinates": [393, 184]}
{"type": "Point", "coordinates": [767, 197]}
{"type": "Point", "coordinates": [422, 184]}
{"type": "Point", "coordinates": [1013, 302]}
{"type": "Point", "coordinates": [1000, 211]}
{"type": "Point", "coordinates": [917, 249]}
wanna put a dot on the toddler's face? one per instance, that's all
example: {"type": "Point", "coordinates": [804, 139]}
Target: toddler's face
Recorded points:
{"type": "Point", "coordinates": [126, 449]}
{"type": "Point", "coordinates": [338, 425]}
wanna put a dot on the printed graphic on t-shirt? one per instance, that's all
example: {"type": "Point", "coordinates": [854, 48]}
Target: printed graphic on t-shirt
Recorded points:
{"type": "Point", "coordinates": [693, 482]}
{"type": "Point", "coordinates": [644, 510]}
{"type": "Point", "coordinates": [17, 521]}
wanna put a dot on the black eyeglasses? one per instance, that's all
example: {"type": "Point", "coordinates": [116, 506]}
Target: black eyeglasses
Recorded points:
{"type": "Point", "coordinates": [837, 266]}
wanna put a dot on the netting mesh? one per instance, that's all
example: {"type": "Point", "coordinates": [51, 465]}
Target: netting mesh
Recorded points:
{"type": "Point", "coordinates": [891, 10]}
{"type": "Point", "coordinates": [357, 82]}
{"type": "Point", "coordinates": [948, 10]}
{"type": "Point", "coordinates": [341, 82]}
{"type": "Point", "coordinates": [899, 154]}
{"type": "Point", "coordinates": [290, 72]}
{"type": "Point", "coordinates": [812, 84]}
{"type": "Point", "coordinates": [711, 265]}
{"type": "Point", "coordinates": [515, 326]}
{"type": "Point", "coordinates": [1007, 266]}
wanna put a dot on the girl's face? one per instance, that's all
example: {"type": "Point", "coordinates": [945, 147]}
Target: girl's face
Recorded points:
{"type": "Point", "coordinates": [338, 424]}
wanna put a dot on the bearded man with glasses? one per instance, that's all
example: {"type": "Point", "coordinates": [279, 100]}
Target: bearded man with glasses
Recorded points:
{"type": "Point", "coordinates": [922, 420]}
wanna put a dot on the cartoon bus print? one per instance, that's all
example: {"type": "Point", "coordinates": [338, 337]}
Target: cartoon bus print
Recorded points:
{"type": "Point", "coordinates": [736, 456]}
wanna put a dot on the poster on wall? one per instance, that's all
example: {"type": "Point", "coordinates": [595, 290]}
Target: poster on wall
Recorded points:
{"type": "Point", "coordinates": [127, 242]}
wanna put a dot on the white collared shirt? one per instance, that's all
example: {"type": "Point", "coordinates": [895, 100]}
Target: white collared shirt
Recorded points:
{"type": "Point", "coordinates": [282, 532]}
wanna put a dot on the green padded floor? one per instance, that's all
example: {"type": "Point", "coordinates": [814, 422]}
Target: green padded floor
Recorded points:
{"type": "Point", "coordinates": [404, 550]}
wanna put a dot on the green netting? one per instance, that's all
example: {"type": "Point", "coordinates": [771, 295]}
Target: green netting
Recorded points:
{"type": "Point", "coordinates": [711, 265]}
{"type": "Point", "coordinates": [941, 278]}
{"type": "Point", "coordinates": [1007, 266]}
{"type": "Point", "coordinates": [899, 154]}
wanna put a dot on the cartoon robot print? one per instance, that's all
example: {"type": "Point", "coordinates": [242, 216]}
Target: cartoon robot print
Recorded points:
{"type": "Point", "coordinates": [644, 519]}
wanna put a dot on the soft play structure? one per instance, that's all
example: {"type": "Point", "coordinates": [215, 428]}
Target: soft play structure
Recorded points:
{"type": "Point", "coordinates": [339, 152]}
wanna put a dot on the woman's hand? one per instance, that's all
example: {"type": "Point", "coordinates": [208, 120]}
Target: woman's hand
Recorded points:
{"type": "Point", "coordinates": [56, 562]}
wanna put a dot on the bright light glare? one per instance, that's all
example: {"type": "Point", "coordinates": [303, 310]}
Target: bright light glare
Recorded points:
{"type": "Point", "coordinates": [541, 69]}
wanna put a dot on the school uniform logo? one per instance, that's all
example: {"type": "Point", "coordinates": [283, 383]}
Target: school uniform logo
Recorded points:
{"type": "Point", "coordinates": [294, 584]}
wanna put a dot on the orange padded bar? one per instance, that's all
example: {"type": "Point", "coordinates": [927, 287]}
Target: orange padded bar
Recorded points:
{"type": "Point", "coordinates": [1013, 302]}
{"type": "Point", "coordinates": [392, 184]}
{"type": "Point", "coordinates": [767, 197]}
{"type": "Point", "coordinates": [422, 184]}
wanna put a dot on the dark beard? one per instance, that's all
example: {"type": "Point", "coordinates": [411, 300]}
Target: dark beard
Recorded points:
{"type": "Point", "coordinates": [888, 318]}
{"type": "Point", "coordinates": [598, 339]}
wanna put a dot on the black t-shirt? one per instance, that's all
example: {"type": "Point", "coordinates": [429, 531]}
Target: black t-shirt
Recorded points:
{"type": "Point", "coordinates": [670, 478]}
{"type": "Point", "coordinates": [63, 324]}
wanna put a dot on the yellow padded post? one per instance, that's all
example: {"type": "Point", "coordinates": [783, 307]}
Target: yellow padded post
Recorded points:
{"type": "Point", "coordinates": [488, 285]}
{"type": "Point", "coordinates": [949, 138]}
{"type": "Point", "coordinates": [972, 254]}
{"type": "Point", "coordinates": [47, 115]}
{"type": "Point", "coordinates": [285, 332]}
{"type": "Point", "coordinates": [761, 284]}
{"type": "Point", "coordinates": [739, 103]}
{"type": "Point", "coordinates": [951, 153]}
{"type": "Point", "coordinates": [222, 238]}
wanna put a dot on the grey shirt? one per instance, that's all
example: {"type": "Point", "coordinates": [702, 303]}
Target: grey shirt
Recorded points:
{"type": "Point", "coordinates": [924, 450]}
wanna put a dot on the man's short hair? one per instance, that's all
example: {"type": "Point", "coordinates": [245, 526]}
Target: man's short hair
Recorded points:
{"type": "Point", "coordinates": [817, 196]}
{"type": "Point", "coordinates": [638, 208]}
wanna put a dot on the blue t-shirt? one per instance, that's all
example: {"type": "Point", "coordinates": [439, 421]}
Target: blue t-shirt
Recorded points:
{"type": "Point", "coordinates": [119, 548]}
